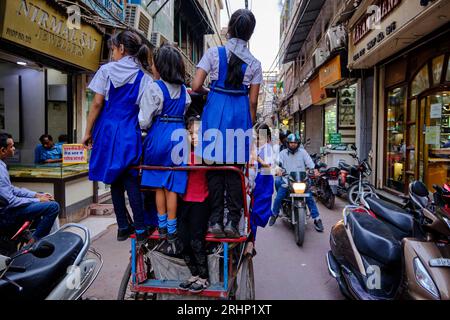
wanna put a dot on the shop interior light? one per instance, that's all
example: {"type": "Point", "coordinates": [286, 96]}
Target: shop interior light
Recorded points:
{"type": "Point", "coordinates": [21, 63]}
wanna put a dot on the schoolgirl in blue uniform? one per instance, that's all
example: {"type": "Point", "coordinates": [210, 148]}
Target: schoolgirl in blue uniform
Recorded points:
{"type": "Point", "coordinates": [236, 77]}
{"type": "Point", "coordinates": [113, 128]}
{"type": "Point", "coordinates": [165, 102]}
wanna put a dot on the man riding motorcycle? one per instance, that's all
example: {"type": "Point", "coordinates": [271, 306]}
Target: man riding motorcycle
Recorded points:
{"type": "Point", "coordinates": [295, 159]}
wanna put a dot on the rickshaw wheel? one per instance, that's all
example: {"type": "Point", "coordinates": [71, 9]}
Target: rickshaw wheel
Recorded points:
{"type": "Point", "coordinates": [124, 290]}
{"type": "Point", "coordinates": [245, 280]}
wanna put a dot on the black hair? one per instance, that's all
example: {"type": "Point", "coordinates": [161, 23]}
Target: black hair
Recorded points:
{"type": "Point", "coordinates": [242, 24]}
{"type": "Point", "coordinates": [170, 65]}
{"type": "Point", "coordinates": [284, 134]}
{"type": "Point", "coordinates": [62, 138]}
{"type": "Point", "coordinates": [4, 139]}
{"type": "Point", "coordinates": [191, 120]}
{"type": "Point", "coordinates": [265, 128]}
{"type": "Point", "coordinates": [45, 136]}
{"type": "Point", "coordinates": [134, 45]}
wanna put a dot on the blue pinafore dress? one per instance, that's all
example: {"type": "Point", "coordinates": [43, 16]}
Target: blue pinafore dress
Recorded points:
{"type": "Point", "coordinates": [116, 137]}
{"type": "Point", "coordinates": [226, 108]}
{"type": "Point", "coordinates": [262, 194]}
{"type": "Point", "coordinates": [158, 145]}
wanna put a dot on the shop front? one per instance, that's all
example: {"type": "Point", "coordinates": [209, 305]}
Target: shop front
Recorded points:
{"type": "Point", "coordinates": [409, 51]}
{"type": "Point", "coordinates": [43, 70]}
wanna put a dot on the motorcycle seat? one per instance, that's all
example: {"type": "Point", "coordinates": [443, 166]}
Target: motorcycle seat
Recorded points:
{"type": "Point", "coordinates": [345, 166]}
{"type": "Point", "coordinates": [375, 239]}
{"type": "Point", "coordinates": [392, 214]}
{"type": "Point", "coordinates": [42, 275]}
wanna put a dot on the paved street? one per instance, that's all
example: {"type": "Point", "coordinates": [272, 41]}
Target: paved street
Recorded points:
{"type": "Point", "coordinates": [282, 270]}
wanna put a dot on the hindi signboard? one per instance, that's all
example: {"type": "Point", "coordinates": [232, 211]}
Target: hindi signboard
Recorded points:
{"type": "Point", "coordinates": [74, 154]}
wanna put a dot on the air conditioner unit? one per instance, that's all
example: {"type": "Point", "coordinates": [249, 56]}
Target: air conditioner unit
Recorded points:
{"type": "Point", "coordinates": [137, 18]}
{"type": "Point", "coordinates": [319, 57]}
{"type": "Point", "coordinates": [158, 39]}
{"type": "Point", "coordinates": [336, 37]}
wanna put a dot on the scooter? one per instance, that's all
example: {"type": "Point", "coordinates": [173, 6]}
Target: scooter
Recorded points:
{"type": "Point", "coordinates": [60, 266]}
{"type": "Point", "coordinates": [326, 184]}
{"type": "Point", "coordinates": [372, 259]}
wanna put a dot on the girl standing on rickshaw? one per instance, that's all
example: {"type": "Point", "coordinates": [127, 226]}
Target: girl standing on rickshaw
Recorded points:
{"type": "Point", "coordinates": [236, 78]}
{"type": "Point", "coordinates": [113, 128]}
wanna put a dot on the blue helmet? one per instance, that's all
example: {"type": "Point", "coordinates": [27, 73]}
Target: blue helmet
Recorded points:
{"type": "Point", "coordinates": [292, 138]}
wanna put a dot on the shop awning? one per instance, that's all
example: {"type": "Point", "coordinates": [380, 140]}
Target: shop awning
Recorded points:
{"type": "Point", "coordinates": [307, 15]}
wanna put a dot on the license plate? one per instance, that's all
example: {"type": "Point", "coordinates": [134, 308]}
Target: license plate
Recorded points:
{"type": "Point", "coordinates": [440, 263]}
{"type": "Point", "coordinates": [299, 195]}
{"type": "Point", "coordinates": [333, 182]}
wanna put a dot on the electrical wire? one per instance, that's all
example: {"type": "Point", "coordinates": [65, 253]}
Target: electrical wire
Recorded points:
{"type": "Point", "coordinates": [228, 9]}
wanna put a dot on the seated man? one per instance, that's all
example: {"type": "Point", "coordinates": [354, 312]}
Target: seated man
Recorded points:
{"type": "Point", "coordinates": [23, 204]}
{"type": "Point", "coordinates": [48, 151]}
{"type": "Point", "coordinates": [295, 159]}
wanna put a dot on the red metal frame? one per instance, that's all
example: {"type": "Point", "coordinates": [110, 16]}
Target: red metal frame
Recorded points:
{"type": "Point", "coordinates": [22, 229]}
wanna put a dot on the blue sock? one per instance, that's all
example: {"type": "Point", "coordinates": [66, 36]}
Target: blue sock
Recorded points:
{"type": "Point", "coordinates": [172, 226]}
{"type": "Point", "coordinates": [162, 220]}
{"type": "Point", "coordinates": [140, 231]}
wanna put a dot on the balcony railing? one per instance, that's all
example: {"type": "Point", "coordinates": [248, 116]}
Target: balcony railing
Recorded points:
{"type": "Point", "coordinates": [107, 8]}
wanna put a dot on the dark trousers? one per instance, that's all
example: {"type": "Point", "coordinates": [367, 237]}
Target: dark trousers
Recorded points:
{"type": "Point", "coordinates": [192, 227]}
{"type": "Point", "coordinates": [130, 183]}
{"type": "Point", "coordinates": [42, 213]}
{"type": "Point", "coordinates": [219, 184]}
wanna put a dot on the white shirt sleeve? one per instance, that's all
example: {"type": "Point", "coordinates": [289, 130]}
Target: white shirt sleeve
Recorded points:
{"type": "Point", "coordinates": [188, 101]}
{"type": "Point", "coordinates": [100, 83]}
{"type": "Point", "coordinates": [208, 61]}
{"type": "Point", "coordinates": [258, 74]}
{"type": "Point", "coordinates": [151, 105]}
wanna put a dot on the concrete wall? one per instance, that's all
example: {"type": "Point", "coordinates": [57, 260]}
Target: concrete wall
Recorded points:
{"type": "Point", "coordinates": [314, 128]}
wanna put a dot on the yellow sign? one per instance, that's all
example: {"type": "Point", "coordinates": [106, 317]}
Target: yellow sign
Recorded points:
{"type": "Point", "coordinates": [331, 72]}
{"type": "Point", "coordinates": [74, 154]}
{"type": "Point", "coordinates": [36, 25]}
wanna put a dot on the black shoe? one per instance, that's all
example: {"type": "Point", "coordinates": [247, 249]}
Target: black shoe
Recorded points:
{"type": "Point", "coordinates": [124, 234]}
{"type": "Point", "coordinates": [141, 238]}
{"type": "Point", "coordinates": [162, 232]}
{"type": "Point", "coordinates": [272, 220]}
{"type": "Point", "coordinates": [172, 239]}
{"type": "Point", "coordinates": [199, 285]}
{"type": "Point", "coordinates": [185, 285]}
{"type": "Point", "coordinates": [217, 231]}
{"type": "Point", "coordinates": [231, 232]}
{"type": "Point", "coordinates": [318, 225]}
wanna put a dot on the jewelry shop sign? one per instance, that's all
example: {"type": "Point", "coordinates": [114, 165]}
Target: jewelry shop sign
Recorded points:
{"type": "Point", "coordinates": [37, 25]}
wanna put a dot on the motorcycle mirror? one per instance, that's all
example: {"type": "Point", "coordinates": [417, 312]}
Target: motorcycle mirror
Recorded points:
{"type": "Point", "coordinates": [42, 249]}
{"type": "Point", "coordinates": [354, 147]}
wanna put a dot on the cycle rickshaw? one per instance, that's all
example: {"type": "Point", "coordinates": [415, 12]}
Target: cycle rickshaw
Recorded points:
{"type": "Point", "coordinates": [234, 278]}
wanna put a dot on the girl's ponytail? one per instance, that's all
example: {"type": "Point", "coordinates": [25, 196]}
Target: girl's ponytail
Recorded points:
{"type": "Point", "coordinates": [143, 55]}
{"type": "Point", "coordinates": [134, 45]}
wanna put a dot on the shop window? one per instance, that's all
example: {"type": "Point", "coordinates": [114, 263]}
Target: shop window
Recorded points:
{"type": "Point", "coordinates": [57, 105]}
{"type": "Point", "coordinates": [448, 71]}
{"type": "Point", "coordinates": [437, 139]}
{"type": "Point", "coordinates": [347, 101]}
{"type": "Point", "coordinates": [396, 146]}
{"type": "Point", "coordinates": [330, 122]}
{"type": "Point", "coordinates": [438, 64]}
{"type": "Point", "coordinates": [421, 82]}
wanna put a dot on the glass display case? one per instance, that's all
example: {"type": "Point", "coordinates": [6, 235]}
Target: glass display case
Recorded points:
{"type": "Point", "coordinates": [347, 103]}
{"type": "Point", "coordinates": [56, 171]}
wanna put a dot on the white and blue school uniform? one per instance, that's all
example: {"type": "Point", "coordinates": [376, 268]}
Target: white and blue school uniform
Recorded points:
{"type": "Point", "coordinates": [227, 108]}
{"type": "Point", "coordinates": [165, 106]}
{"type": "Point", "coordinates": [263, 190]}
{"type": "Point", "coordinates": [116, 136]}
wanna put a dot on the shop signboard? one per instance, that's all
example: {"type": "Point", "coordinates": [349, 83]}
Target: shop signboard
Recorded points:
{"type": "Point", "coordinates": [330, 73]}
{"type": "Point", "coordinates": [335, 138]}
{"type": "Point", "coordinates": [373, 30]}
{"type": "Point", "coordinates": [39, 26]}
{"type": "Point", "coordinates": [74, 154]}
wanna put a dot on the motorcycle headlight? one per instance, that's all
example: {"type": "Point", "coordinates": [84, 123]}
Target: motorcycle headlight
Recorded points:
{"type": "Point", "coordinates": [424, 279]}
{"type": "Point", "coordinates": [299, 187]}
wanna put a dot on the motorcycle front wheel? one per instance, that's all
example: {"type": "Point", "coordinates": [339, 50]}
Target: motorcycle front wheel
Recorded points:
{"type": "Point", "coordinates": [300, 226]}
{"type": "Point", "coordinates": [354, 196]}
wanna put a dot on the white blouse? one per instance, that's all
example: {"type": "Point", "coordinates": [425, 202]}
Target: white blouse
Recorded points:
{"type": "Point", "coordinates": [210, 61]}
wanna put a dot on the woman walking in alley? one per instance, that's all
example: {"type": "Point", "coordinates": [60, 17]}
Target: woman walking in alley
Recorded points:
{"type": "Point", "coordinates": [231, 107]}
{"type": "Point", "coordinates": [113, 128]}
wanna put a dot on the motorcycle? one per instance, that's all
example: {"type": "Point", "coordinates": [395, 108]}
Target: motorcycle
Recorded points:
{"type": "Point", "coordinates": [60, 266]}
{"type": "Point", "coordinates": [326, 185]}
{"type": "Point", "coordinates": [293, 208]}
{"type": "Point", "coordinates": [404, 256]}
{"type": "Point", "coordinates": [353, 180]}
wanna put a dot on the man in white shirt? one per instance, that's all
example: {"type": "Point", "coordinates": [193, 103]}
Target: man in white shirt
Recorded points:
{"type": "Point", "coordinates": [295, 159]}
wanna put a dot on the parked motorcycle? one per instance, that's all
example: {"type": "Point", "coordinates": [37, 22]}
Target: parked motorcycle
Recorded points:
{"type": "Point", "coordinates": [293, 208]}
{"type": "Point", "coordinates": [326, 184]}
{"type": "Point", "coordinates": [353, 180]}
{"type": "Point", "coordinates": [404, 255]}
{"type": "Point", "coordinates": [60, 266]}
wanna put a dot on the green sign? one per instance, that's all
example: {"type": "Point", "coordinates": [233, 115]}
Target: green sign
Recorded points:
{"type": "Point", "coordinates": [335, 138]}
